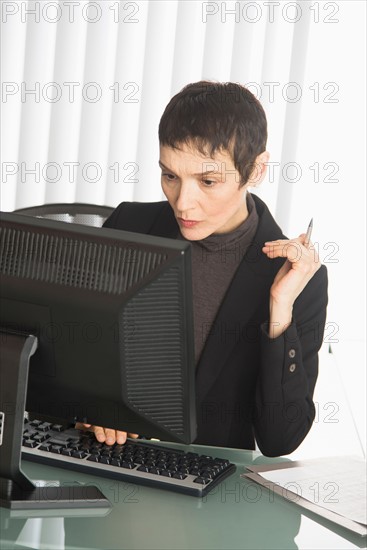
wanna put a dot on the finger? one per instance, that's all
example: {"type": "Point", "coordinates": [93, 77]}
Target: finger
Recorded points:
{"type": "Point", "coordinates": [99, 432]}
{"type": "Point", "coordinates": [110, 436]}
{"type": "Point", "coordinates": [133, 436]}
{"type": "Point", "coordinates": [288, 249]}
{"type": "Point", "coordinates": [284, 245]}
{"type": "Point", "coordinates": [121, 437]}
{"type": "Point", "coordinates": [300, 238]}
{"type": "Point", "coordinates": [294, 250]}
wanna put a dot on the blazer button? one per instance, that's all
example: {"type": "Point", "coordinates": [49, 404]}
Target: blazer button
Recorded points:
{"type": "Point", "coordinates": [292, 353]}
{"type": "Point", "coordinates": [292, 367]}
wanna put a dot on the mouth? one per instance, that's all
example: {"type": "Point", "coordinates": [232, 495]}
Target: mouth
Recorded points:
{"type": "Point", "coordinates": [187, 223]}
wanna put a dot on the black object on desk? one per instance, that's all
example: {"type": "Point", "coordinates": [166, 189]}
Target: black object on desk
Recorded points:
{"type": "Point", "coordinates": [135, 461]}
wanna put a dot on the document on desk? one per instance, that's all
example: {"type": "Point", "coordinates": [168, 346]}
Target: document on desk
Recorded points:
{"type": "Point", "coordinates": [333, 487]}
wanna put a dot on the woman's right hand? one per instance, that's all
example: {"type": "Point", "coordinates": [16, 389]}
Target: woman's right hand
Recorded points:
{"type": "Point", "coordinates": [106, 435]}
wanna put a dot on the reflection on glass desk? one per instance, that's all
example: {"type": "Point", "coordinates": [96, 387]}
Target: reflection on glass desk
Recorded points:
{"type": "Point", "coordinates": [237, 514]}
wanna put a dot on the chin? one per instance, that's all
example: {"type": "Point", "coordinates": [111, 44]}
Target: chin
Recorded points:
{"type": "Point", "coordinates": [191, 236]}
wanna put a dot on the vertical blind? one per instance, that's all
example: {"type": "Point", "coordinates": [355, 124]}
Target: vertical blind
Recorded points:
{"type": "Point", "coordinates": [86, 83]}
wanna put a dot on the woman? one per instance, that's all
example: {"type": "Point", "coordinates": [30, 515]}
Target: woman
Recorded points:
{"type": "Point", "coordinates": [259, 298]}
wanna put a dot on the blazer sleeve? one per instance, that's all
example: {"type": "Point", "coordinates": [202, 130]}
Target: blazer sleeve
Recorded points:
{"type": "Point", "coordinates": [284, 409]}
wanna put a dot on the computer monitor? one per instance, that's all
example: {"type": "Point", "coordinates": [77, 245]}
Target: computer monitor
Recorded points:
{"type": "Point", "coordinates": [111, 312]}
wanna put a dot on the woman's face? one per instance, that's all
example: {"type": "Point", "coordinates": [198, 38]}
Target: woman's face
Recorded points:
{"type": "Point", "coordinates": [204, 192]}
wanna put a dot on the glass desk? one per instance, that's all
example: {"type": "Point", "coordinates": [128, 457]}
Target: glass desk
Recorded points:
{"type": "Point", "coordinates": [236, 514]}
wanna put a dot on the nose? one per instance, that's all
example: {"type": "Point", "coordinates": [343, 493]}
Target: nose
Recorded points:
{"type": "Point", "coordinates": [187, 196]}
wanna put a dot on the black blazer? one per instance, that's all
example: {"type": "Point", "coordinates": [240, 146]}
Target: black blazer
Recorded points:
{"type": "Point", "coordinates": [248, 385]}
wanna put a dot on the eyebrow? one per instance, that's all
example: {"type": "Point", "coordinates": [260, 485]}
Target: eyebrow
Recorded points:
{"type": "Point", "coordinates": [197, 175]}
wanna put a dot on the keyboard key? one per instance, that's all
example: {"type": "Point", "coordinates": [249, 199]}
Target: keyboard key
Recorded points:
{"type": "Point", "coordinates": [94, 452]}
{"type": "Point", "coordinates": [36, 423]}
{"type": "Point", "coordinates": [45, 447]}
{"type": "Point", "coordinates": [79, 454]}
{"type": "Point", "coordinates": [206, 474]}
{"type": "Point", "coordinates": [30, 443]}
{"type": "Point", "coordinates": [179, 475]}
{"type": "Point", "coordinates": [67, 452]}
{"type": "Point", "coordinates": [201, 480]}
{"type": "Point", "coordinates": [57, 427]}
{"type": "Point", "coordinates": [45, 426]}
{"type": "Point", "coordinates": [93, 458]}
{"type": "Point", "coordinates": [128, 465]}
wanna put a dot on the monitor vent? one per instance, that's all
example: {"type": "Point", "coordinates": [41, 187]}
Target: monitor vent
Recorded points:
{"type": "Point", "coordinates": [72, 262]}
{"type": "Point", "coordinates": [153, 351]}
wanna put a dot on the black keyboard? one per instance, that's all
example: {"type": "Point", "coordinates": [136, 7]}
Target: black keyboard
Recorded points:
{"type": "Point", "coordinates": [136, 461]}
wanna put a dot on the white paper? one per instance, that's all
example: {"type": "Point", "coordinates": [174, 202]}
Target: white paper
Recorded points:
{"type": "Point", "coordinates": [337, 484]}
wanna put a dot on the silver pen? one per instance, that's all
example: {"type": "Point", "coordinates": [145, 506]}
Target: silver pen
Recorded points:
{"type": "Point", "coordinates": [308, 234]}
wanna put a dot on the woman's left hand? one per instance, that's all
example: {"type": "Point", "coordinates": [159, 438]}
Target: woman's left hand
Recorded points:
{"type": "Point", "coordinates": [300, 266]}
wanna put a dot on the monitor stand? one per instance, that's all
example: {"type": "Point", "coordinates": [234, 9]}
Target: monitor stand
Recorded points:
{"type": "Point", "coordinates": [17, 491]}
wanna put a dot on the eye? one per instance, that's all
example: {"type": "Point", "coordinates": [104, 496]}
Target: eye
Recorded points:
{"type": "Point", "coordinates": [168, 177]}
{"type": "Point", "coordinates": [209, 183]}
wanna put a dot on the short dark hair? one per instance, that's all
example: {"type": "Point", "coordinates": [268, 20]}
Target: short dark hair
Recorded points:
{"type": "Point", "coordinates": [217, 116]}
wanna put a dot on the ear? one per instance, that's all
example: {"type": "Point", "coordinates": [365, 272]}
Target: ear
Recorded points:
{"type": "Point", "coordinates": [259, 171]}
